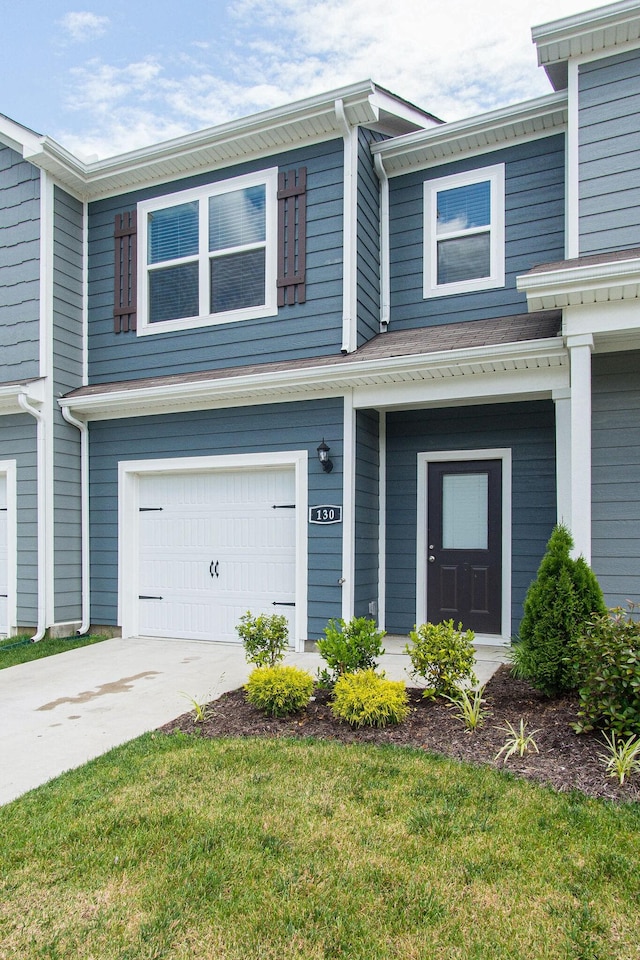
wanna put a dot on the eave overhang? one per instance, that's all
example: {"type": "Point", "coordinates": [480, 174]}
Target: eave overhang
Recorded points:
{"type": "Point", "coordinates": [311, 120]}
{"type": "Point", "coordinates": [534, 118]}
{"type": "Point", "coordinates": [32, 392]}
{"type": "Point", "coordinates": [308, 381]}
{"type": "Point", "coordinates": [581, 284]}
{"type": "Point", "coordinates": [591, 33]}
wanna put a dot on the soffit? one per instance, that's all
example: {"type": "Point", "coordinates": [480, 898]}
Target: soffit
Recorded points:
{"type": "Point", "coordinates": [489, 131]}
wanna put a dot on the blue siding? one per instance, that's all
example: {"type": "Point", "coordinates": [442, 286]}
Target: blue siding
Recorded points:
{"type": "Point", "coordinates": [274, 427]}
{"type": "Point", "coordinates": [616, 476]}
{"type": "Point", "coordinates": [609, 98]}
{"type": "Point", "coordinates": [368, 244]}
{"type": "Point", "coordinates": [367, 509]}
{"type": "Point", "coordinates": [67, 374]}
{"type": "Point", "coordinates": [528, 429]}
{"type": "Point", "coordinates": [534, 215]}
{"type": "Point", "coordinates": [310, 329]}
{"type": "Point", "coordinates": [19, 267]}
{"type": "Point", "coordinates": [18, 442]}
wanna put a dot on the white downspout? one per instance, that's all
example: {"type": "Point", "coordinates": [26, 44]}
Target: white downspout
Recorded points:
{"type": "Point", "coordinates": [83, 427]}
{"type": "Point", "coordinates": [350, 216]}
{"type": "Point", "coordinates": [385, 281]}
{"type": "Point", "coordinates": [41, 487]}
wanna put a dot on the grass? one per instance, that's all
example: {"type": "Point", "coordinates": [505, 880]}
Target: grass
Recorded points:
{"type": "Point", "coordinates": [15, 650]}
{"type": "Point", "coordinates": [178, 847]}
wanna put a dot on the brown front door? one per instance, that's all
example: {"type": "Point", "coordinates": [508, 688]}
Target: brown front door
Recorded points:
{"type": "Point", "coordinates": [464, 545]}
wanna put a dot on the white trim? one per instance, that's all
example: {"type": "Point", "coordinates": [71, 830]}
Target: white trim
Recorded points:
{"type": "Point", "coordinates": [128, 545]}
{"type": "Point", "coordinates": [572, 164]}
{"type": "Point", "coordinates": [382, 522]}
{"type": "Point", "coordinates": [348, 507]}
{"type": "Point", "coordinates": [385, 263]}
{"type": "Point", "coordinates": [562, 402]}
{"type": "Point", "coordinates": [8, 469]}
{"type": "Point", "coordinates": [45, 420]}
{"type": "Point", "coordinates": [267, 178]}
{"type": "Point", "coordinates": [349, 232]}
{"type": "Point", "coordinates": [580, 348]}
{"type": "Point", "coordinates": [85, 538]}
{"type": "Point", "coordinates": [85, 293]}
{"type": "Point", "coordinates": [495, 176]}
{"type": "Point", "coordinates": [35, 410]}
{"type": "Point", "coordinates": [582, 284]}
{"type": "Point", "coordinates": [532, 366]}
{"type": "Point", "coordinates": [444, 456]}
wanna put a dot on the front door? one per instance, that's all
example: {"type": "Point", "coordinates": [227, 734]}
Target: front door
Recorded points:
{"type": "Point", "coordinates": [464, 544]}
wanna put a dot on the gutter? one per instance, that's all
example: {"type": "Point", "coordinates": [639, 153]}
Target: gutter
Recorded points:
{"type": "Point", "coordinates": [25, 403]}
{"type": "Point", "coordinates": [83, 427]}
{"type": "Point", "coordinates": [385, 274]}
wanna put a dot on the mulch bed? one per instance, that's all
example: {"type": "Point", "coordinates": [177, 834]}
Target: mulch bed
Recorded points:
{"type": "Point", "coordinates": [566, 761]}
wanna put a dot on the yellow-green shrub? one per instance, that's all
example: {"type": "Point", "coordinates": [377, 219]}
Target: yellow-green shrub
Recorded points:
{"type": "Point", "coordinates": [367, 699]}
{"type": "Point", "coordinates": [279, 690]}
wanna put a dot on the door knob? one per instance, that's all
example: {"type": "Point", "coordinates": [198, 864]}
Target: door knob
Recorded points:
{"type": "Point", "coordinates": [431, 558]}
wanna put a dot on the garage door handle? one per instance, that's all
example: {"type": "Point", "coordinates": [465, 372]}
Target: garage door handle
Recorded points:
{"type": "Point", "coordinates": [282, 603]}
{"type": "Point", "coordinates": [213, 569]}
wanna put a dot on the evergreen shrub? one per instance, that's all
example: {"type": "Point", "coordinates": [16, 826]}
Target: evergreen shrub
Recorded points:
{"type": "Point", "coordinates": [265, 638]}
{"type": "Point", "coordinates": [559, 603]}
{"type": "Point", "coordinates": [368, 699]}
{"type": "Point", "coordinates": [279, 690]}
{"type": "Point", "coordinates": [348, 647]}
{"type": "Point", "coordinates": [443, 656]}
{"type": "Point", "coordinates": [609, 664]}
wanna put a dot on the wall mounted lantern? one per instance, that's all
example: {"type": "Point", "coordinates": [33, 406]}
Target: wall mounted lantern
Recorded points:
{"type": "Point", "coordinates": [323, 457]}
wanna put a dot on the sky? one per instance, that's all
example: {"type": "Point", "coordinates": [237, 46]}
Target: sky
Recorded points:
{"type": "Point", "coordinates": [103, 78]}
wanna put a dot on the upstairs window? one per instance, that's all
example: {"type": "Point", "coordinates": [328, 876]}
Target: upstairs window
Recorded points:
{"type": "Point", "coordinates": [464, 232]}
{"type": "Point", "coordinates": [208, 255]}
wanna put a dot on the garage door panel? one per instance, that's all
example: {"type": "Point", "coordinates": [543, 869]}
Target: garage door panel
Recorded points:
{"type": "Point", "coordinates": [213, 546]}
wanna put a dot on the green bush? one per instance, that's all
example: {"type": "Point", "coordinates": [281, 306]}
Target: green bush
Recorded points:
{"type": "Point", "coordinates": [368, 699]}
{"type": "Point", "coordinates": [559, 602]}
{"type": "Point", "coordinates": [265, 638]}
{"type": "Point", "coordinates": [349, 647]}
{"type": "Point", "coordinates": [279, 690]}
{"type": "Point", "coordinates": [443, 656]}
{"type": "Point", "coordinates": [609, 666]}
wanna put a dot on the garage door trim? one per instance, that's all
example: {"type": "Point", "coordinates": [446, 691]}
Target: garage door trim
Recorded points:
{"type": "Point", "coordinates": [129, 472]}
{"type": "Point", "coordinates": [8, 471]}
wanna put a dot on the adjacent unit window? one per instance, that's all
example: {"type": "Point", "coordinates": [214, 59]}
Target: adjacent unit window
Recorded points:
{"type": "Point", "coordinates": [464, 232]}
{"type": "Point", "coordinates": [208, 255]}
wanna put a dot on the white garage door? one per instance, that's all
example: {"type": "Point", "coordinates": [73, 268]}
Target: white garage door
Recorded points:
{"type": "Point", "coordinates": [4, 557]}
{"type": "Point", "coordinates": [212, 546]}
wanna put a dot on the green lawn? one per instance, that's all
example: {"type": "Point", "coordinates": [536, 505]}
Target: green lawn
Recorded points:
{"type": "Point", "coordinates": [16, 650]}
{"type": "Point", "coordinates": [176, 847]}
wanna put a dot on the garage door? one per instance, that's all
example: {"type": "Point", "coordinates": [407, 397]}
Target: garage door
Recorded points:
{"type": "Point", "coordinates": [4, 557]}
{"type": "Point", "coordinates": [212, 546]}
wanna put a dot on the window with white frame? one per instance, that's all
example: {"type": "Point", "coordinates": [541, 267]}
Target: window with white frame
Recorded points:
{"type": "Point", "coordinates": [208, 255]}
{"type": "Point", "coordinates": [464, 232]}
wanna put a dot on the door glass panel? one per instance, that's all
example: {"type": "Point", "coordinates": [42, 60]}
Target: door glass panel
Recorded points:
{"type": "Point", "coordinates": [465, 511]}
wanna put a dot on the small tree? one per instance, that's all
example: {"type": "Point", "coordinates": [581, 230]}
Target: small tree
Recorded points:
{"type": "Point", "coordinates": [559, 602]}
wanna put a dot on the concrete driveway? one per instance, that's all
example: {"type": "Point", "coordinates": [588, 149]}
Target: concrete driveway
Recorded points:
{"type": "Point", "coordinates": [59, 712]}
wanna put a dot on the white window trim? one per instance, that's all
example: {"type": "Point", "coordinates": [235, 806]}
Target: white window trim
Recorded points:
{"type": "Point", "coordinates": [496, 177]}
{"type": "Point", "coordinates": [267, 309]}
{"type": "Point", "coordinates": [129, 473]}
{"type": "Point", "coordinates": [446, 456]}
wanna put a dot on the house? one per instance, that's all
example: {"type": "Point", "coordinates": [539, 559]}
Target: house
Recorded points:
{"type": "Point", "coordinates": [336, 358]}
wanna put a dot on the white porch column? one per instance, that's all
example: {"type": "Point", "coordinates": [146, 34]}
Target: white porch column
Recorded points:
{"type": "Point", "coordinates": [562, 400]}
{"type": "Point", "coordinates": [580, 348]}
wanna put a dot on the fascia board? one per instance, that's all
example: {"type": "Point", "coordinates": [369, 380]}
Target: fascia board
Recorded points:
{"type": "Point", "coordinates": [17, 137]}
{"type": "Point", "coordinates": [333, 378]}
{"type": "Point", "coordinates": [560, 288]}
{"type": "Point", "coordinates": [9, 394]}
{"type": "Point", "coordinates": [547, 114]}
{"type": "Point", "coordinates": [585, 33]}
{"type": "Point", "coordinates": [240, 139]}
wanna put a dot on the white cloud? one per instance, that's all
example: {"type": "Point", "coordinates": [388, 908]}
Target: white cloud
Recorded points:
{"type": "Point", "coordinates": [455, 59]}
{"type": "Point", "coordinates": [82, 25]}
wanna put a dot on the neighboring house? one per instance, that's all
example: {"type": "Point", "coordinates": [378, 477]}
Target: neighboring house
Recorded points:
{"type": "Point", "coordinates": [451, 309]}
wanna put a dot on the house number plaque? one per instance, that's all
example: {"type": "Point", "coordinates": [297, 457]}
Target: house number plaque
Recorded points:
{"type": "Point", "coordinates": [325, 513]}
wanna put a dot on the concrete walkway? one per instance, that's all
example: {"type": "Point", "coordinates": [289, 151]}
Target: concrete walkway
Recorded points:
{"type": "Point", "coordinates": [59, 712]}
